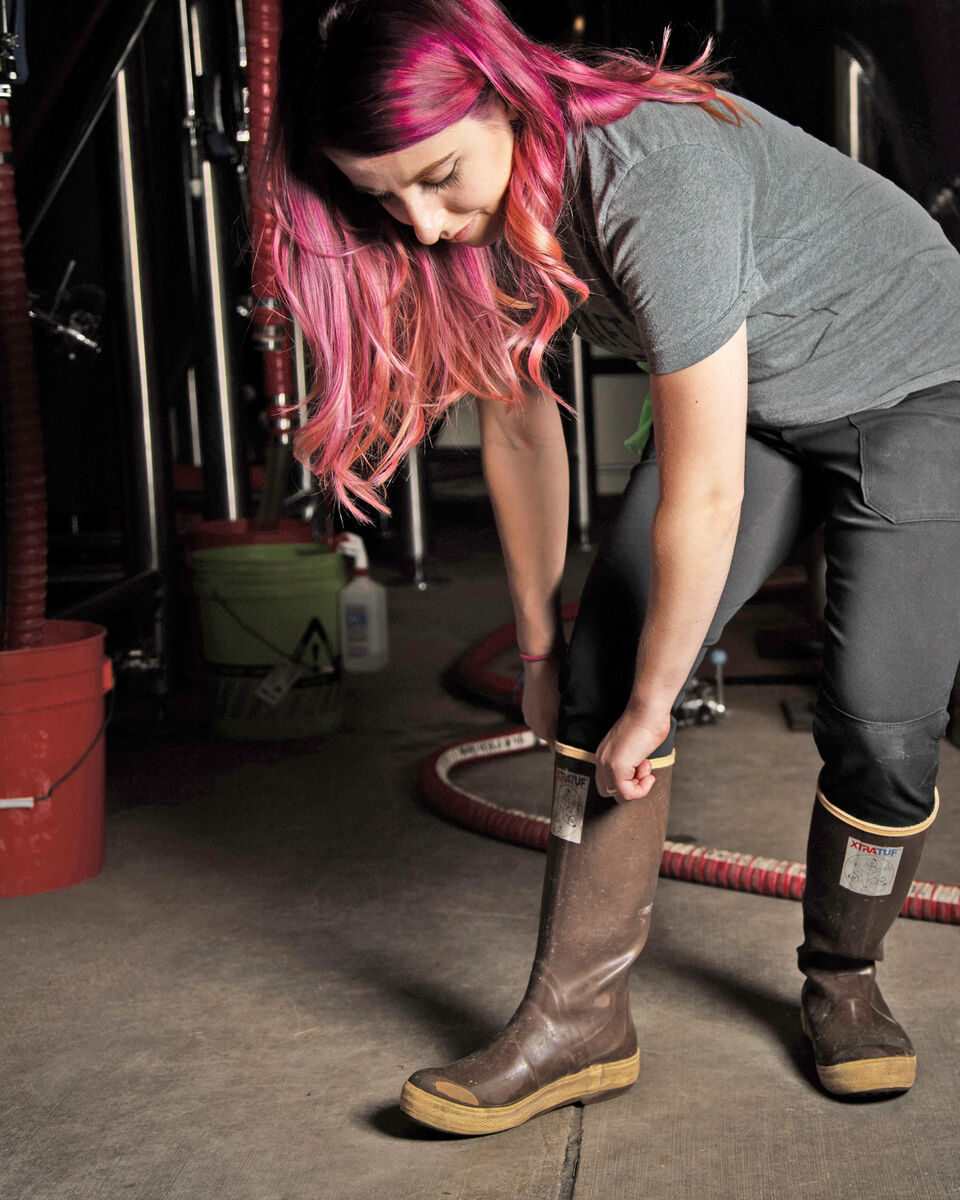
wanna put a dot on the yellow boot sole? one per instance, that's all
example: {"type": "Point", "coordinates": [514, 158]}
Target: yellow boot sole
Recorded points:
{"type": "Point", "coordinates": [863, 1076]}
{"type": "Point", "coordinates": [597, 1082]}
{"type": "Point", "coordinates": [866, 1075]}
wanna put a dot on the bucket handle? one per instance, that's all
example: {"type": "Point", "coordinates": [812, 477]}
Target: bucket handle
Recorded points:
{"type": "Point", "coordinates": [294, 659]}
{"type": "Point", "coordinates": [31, 801]}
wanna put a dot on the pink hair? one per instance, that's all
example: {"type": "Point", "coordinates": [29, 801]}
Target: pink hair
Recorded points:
{"type": "Point", "coordinates": [400, 331]}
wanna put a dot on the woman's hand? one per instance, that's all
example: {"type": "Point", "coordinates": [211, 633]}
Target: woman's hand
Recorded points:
{"type": "Point", "coordinates": [623, 762]}
{"type": "Point", "coordinates": [541, 697]}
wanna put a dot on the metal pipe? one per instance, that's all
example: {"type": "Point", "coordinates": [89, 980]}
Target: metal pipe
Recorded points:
{"type": "Point", "coordinates": [854, 109]}
{"type": "Point", "coordinates": [139, 325]}
{"type": "Point", "coordinates": [193, 418]}
{"type": "Point", "coordinates": [151, 477]}
{"type": "Point", "coordinates": [121, 595]}
{"type": "Point", "coordinates": [719, 17]}
{"type": "Point", "coordinates": [581, 479]}
{"type": "Point", "coordinates": [301, 376]}
{"type": "Point", "coordinates": [415, 533]}
{"type": "Point", "coordinates": [225, 483]}
{"type": "Point", "coordinates": [229, 500]}
{"type": "Point", "coordinates": [91, 123]}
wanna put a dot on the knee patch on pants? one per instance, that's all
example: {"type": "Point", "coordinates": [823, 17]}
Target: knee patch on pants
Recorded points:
{"type": "Point", "coordinates": [882, 772]}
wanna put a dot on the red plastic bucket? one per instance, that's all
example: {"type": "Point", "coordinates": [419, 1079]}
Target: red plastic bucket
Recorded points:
{"type": "Point", "coordinates": [206, 535]}
{"type": "Point", "coordinates": [52, 776]}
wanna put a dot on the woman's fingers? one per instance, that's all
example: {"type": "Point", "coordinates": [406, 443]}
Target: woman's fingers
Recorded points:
{"type": "Point", "coordinates": [634, 789]}
{"type": "Point", "coordinates": [621, 785]}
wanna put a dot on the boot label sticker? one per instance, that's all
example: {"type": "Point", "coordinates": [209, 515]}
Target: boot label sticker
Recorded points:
{"type": "Point", "coordinates": [569, 800]}
{"type": "Point", "coordinates": [870, 870]}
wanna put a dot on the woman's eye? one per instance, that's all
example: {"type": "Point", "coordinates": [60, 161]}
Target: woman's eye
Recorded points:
{"type": "Point", "coordinates": [438, 185]}
{"type": "Point", "coordinates": [450, 180]}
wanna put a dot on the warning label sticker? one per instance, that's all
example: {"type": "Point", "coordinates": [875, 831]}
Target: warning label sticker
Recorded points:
{"type": "Point", "coordinates": [279, 681]}
{"type": "Point", "coordinates": [868, 869]}
{"type": "Point", "coordinates": [569, 801]}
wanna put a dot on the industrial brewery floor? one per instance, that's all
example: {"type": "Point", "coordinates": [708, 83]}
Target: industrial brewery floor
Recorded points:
{"type": "Point", "coordinates": [283, 932]}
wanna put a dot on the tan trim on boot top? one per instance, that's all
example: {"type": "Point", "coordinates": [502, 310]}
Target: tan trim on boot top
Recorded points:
{"type": "Point", "coordinates": [667, 760]}
{"type": "Point", "coordinates": [881, 830]}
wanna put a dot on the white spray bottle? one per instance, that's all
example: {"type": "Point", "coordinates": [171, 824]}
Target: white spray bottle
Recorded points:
{"type": "Point", "coordinates": [363, 613]}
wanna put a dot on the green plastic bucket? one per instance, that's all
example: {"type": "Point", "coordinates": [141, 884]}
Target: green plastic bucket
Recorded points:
{"type": "Point", "coordinates": [271, 638]}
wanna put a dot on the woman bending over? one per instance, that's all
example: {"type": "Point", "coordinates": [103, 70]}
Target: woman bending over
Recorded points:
{"type": "Point", "coordinates": [448, 195]}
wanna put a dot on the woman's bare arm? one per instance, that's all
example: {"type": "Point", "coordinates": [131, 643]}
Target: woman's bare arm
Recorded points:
{"type": "Point", "coordinates": [527, 475]}
{"type": "Point", "coordinates": [700, 429]}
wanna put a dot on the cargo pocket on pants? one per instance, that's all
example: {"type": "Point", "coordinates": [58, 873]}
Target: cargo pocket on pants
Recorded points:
{"type": "Point", "coordinates": [910, 456]}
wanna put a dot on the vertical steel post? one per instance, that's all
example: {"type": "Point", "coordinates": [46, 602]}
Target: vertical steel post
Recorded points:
{"type": "Point", "coordinates": [225, 483]}
{"type": "Point", "coordinates": [415, 531]}
{"type": "Point", "coordinates": [301, 375]}
{"type": "Point", "coordinates": [581, 479]}
{"type": "Point", "coordinates": [150, 474]}
{"type": "Point", "coordinates": [854, 110]}
{"type": "Point", "coordinates": [140, 336]}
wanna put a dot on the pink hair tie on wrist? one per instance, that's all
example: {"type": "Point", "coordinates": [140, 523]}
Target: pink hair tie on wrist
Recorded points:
{"type": "Point", "coordinates": [536, 657]}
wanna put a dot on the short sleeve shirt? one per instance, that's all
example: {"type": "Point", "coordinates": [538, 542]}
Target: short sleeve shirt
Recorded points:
{"type": "Point", "coordinates": [684, 226]}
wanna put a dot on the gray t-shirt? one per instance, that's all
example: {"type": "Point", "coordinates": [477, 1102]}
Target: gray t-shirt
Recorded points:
{"type": "Point", "coordinates": [683, 226]}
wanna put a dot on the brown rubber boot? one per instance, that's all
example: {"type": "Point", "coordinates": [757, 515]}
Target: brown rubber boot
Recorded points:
{"type": "Point", "coordinates": [572, 1038]}
{"type": "Point", "coordinates": [858, 876]}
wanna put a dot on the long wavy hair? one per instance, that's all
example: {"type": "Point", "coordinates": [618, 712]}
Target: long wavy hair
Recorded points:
{"type": "Point", "coordinates": [399, 331]}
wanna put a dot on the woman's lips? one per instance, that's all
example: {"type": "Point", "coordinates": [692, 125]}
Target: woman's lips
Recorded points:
{"type": "Point", "coordinates": [464, 233]}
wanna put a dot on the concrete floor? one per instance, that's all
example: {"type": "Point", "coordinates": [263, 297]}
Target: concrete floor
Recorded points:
{"type": "Point", "coordinates": [283, 932]}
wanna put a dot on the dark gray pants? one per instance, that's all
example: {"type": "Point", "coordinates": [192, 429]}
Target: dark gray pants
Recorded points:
{"type": "Point", "coordinates": [886, 486]}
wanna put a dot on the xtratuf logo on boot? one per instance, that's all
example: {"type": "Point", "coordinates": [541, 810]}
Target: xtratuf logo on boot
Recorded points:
{"type": "Point", "coordinates": [868, 869]}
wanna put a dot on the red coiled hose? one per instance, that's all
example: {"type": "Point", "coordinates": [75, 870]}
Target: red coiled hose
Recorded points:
{"type": "Point", "coordinates": [472, 669]}
{"type": "Point", "coordinates": [25, 568]}
{"type": "Point", "coordinates": [697, 864]}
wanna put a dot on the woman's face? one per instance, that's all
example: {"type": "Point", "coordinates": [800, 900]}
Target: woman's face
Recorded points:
{"type": "Point", "coordinates": [449, 187]}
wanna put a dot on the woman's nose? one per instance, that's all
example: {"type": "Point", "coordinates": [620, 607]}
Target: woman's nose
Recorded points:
{"type": "Point", "coordinates": [425, 214]}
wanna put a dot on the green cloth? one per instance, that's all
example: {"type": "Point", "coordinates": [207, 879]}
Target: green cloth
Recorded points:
{"type": "Point", "coordinates": [636, 441]}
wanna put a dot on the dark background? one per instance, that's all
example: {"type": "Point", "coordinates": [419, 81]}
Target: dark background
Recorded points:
{"type": "Point", "coordinates": [777, 53]}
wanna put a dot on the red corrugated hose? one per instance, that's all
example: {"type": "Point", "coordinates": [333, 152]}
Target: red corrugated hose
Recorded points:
{"type": "Point", "coordinates": [271, 323]}
{"type": "Point", "coordinates": [25, 566]}
{"type": "Point", "coordinates": [697, 864]}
